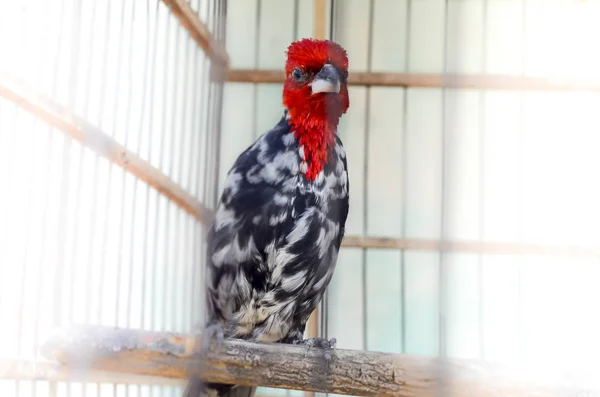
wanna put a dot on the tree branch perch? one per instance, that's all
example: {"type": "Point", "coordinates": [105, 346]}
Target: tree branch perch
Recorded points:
{"type": "Point", "coordinates": [350, 372]}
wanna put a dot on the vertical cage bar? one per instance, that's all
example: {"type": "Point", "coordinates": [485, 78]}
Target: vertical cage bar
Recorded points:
{"type": "Point", "coordinates": [11, 113]}
{"type": "Point", "coordinates": [171, 262]}
{"type": "Point", "coordinates": [217, 148]}
{"type": "Point", "coordinates": [520, 186]}
{"type": "Point", "coordinates": [74, 235]}
{"type": "Point", "coordinates": [320, 10]}
{"type": "Point", "coordinates": [148, 64]}
{"type": "Point", "coordinates": [134, 198]}
{"type": "Point", "coordinates": [210, 190]}
{"type": "Point", "coordinates": [256, 66]}
{"type": "Point", "coordinates": [202, 163]}
{"type": "Point", "coordinates": [87, 79]}
{"type": "Point", "coordinates": [162, 208]}
{"type": "Point", "coordinates": [179, 265]}
{"type": "Point", "coordinates": [296, 22]}
{"type": "Point", "coordinates": [95, 205]}
{"type": "Point", "coordinates": [325, 302]}
{"type": "Point", "coordinates": [195, 132]}
{"type": "Point", "coordinates": [404, 173]}
{"type": "Point", "coordinates": [365, 213]}
{"type": "Point", "coordinates": [170, 82]}
{"type": "Point", "coordinates": [124, 187]}
{"type": "Point", "coordinates": [201, 149]}
{"type": "Point", "coordinates": [113, 130]}
{"type": "Point", "coordinates": [103, 85]}
{"type": "Point", "coordinates": [207, 104]}
{"type": "Point", "coordinates": [442, 263]}
{"type": "Point", "coordinates": [482, 203]}
{"type": "Point", "coordinates": [201, 181]}
{"type": "Point", "coordinates": [152, 195]}
{"type": "Point", "coordinates": [218, 113]}
{"type": "Point", "coordinates": [442, 288]}
{"type": "Point", "coordinates": [23, 257]}
{"type": "Point", "coordinates": [324, 314]}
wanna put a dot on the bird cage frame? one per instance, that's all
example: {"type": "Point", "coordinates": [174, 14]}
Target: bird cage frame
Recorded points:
{"type": "Point", "coordinates": [159, 357]}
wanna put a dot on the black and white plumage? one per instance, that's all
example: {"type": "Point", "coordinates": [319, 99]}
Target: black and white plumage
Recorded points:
{"type": "Point", "coordinates": [274, 241]}
{"type": "Point", "coordinates": [273, 244]}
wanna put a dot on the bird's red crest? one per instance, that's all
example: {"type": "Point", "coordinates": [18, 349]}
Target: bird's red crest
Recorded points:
{"type": "Point", "coordinates": [313, 54]}
{"type": "Point", "coordinates": [315, 117]}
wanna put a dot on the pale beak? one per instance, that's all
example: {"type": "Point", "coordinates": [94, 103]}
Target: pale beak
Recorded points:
{"type": "Point", "coordinates": [327, 80]}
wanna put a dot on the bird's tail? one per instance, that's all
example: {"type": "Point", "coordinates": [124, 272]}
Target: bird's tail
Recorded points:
{"type": "Point", "coordinates": [197, 388]}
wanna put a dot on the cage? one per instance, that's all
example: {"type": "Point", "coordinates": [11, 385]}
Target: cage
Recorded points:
{"type": "Point", "coordinates": [471, 141]}
{"type": "Point", "coordinates": [109, 142]}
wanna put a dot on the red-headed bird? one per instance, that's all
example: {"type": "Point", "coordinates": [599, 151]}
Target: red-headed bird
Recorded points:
{"type": "Point", "coordinates": [274, 241]}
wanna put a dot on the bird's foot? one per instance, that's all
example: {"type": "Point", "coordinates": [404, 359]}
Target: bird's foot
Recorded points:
{"type": "Point", "coordinates": [213, 332]}
{"type": "Point", "coordinates": [326, 344]}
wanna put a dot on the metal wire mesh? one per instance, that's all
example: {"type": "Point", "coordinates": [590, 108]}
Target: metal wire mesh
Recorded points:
{"type": "Point", "coordinates": [83, 240]}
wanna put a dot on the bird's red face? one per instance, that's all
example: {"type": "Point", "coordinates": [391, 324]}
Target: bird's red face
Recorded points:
{"type": "Point", "coordinates": [316, 80]}
{"type": "Point", "coordinates": [315, 93]}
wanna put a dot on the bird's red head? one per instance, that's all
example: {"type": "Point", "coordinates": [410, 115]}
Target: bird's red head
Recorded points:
{"type": "Point", "coordinates": [315, 93]}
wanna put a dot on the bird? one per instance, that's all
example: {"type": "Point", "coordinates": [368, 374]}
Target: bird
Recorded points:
{"type": "Point", "coordinates": [273, 244]}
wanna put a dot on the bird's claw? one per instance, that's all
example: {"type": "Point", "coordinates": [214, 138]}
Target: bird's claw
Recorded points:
{"type": "Point", "coordinates": [326, 344]}
{"type": "Point", "coordinates": [213, 332]}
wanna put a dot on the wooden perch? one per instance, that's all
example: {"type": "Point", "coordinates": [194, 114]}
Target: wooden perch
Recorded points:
{"type": "Point", "coordinates": [350, 372]}
{"type": "Point", "coordinates": [432, 80]}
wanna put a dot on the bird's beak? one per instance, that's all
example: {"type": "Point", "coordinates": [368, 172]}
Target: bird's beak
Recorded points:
{"type": "Point", "coordinates": [327, 80]}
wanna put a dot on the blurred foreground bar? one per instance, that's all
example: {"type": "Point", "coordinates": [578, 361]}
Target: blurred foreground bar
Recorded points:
{"type": "Point", "coordinates": [350, 372]}
{"type": "Point", "coordinates": [29, 370]}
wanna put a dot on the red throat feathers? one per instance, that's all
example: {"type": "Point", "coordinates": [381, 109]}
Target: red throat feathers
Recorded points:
{"type": "Point", "coordinates": [314, 113]}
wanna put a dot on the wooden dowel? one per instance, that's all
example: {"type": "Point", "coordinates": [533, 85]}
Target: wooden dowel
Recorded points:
{"type": "Point", "coordinates": [349, 372]}
{"type": "Point", "coordinates": [426, 80]}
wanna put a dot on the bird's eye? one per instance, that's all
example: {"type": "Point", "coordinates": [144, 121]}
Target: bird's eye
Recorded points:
{"type": "Point", "coordinates": [345, 75]}
{"type": "Point", "coordinates": [298, 74]}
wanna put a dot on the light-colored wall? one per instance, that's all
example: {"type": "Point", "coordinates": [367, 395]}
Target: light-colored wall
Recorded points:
{"type": "Point", "coordinates": [462, 164]}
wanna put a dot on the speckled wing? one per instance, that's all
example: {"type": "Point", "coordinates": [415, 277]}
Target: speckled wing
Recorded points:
{"type": "Point", "coordinates": [274, 241]}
